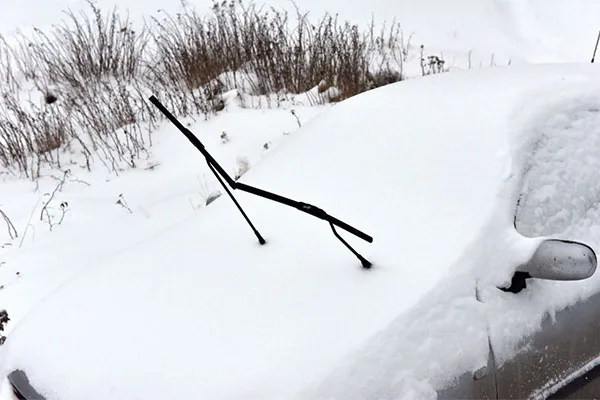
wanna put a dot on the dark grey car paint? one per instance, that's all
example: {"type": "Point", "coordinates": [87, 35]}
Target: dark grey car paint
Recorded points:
{"type": "Point", "coordinates": [587, 386]}
{"type": "Point", "coordinates": [552, 363]}
{"type": "Point", "coordinates": [21, 386]}
{"type": "Point", "coordinates": [552, 357]}
{"type": "Point", "coordinates": [480, 384]}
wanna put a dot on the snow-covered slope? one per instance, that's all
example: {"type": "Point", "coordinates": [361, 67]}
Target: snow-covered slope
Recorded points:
{"type": "Point", "coordinates": [171, 186]}
{"type": "Point", "coordinates": [431, 168]}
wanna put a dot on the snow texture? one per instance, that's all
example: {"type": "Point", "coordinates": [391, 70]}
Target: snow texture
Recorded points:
{"type": "Point", "coordinates": [164, 297]}
{"type": "Point", "coordinates": [432, 168]}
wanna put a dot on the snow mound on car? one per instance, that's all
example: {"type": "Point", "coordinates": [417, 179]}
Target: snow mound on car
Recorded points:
{"type": "Point", "coordinates": [429, 167]}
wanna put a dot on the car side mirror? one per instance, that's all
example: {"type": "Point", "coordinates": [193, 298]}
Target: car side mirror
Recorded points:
{"type": "Point", "coordinates": [558, 260]}
{"type": "Point", "coordinates": [561, 260]}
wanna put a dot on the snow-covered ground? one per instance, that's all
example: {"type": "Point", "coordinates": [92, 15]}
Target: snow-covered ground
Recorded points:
{"type": "Point", "coordinates": [269, 329]}
{"type": "Point", "coordinates": [172, 186]}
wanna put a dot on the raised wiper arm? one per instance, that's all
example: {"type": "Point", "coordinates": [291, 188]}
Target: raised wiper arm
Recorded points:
{"type": "Point", "coordinates": [219, 172]}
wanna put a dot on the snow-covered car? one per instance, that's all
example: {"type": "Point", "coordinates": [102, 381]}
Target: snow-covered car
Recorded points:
{"type": "Point", "coordinates": [479, 190]}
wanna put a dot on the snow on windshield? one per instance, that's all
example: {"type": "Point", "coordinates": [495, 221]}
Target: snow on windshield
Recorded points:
{"type": "Point", "coordinates": [555, 141]}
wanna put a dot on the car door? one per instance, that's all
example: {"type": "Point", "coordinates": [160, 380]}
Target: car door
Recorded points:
{"type": "Point", "coordinates": [557, 199]}
{"type": "Point", "coordinates": [556, 361]}
{"type": "Point", "coordinates": [480, 384]}
{"type": "Point", "coordinates": [551, 360]}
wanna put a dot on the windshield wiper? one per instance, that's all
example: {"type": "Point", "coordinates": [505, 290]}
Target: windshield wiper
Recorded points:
{"type": "Point", "coordinates": [220, 174]}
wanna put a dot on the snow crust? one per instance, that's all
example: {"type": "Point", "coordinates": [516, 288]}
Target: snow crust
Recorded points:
{"type": "Point", "coordinates": [431, 168]}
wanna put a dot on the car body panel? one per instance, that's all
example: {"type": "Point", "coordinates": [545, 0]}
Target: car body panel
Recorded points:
{"type": "Point", "coordinates": [585, 386]}
{"type": "Point", "coordinates": [564, 345]}
{"type": "Point", "coordinates": [480, 384]}
{"type": "Point", "coordinates": [557, 199]}
{"type": "Point", "coordinates": [21, 387]}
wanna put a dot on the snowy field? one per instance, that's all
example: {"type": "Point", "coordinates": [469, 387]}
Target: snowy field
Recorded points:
{"type": "Point", "coordinates": [466, 32]}
{"type": "Point", "coordinates": [152, 268]}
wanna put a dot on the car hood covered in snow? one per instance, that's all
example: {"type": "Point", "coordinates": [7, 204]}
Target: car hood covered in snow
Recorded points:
{"type": "Point", "coordinates": [429, 167]}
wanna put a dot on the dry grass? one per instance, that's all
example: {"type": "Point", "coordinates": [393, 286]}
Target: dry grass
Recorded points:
{"type": "Point", "coordinates": [263, 52]}
{"type": "Point", "coordinates": [86, 47]}
{"type": "Point", "coordinates": [77, 94]}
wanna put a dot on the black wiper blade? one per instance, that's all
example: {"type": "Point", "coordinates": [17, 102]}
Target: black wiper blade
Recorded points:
{"type": "Point", "coordinates": [221, 174]}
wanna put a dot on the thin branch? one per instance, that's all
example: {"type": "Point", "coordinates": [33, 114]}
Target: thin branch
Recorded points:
{"type": "Point", "coordinates": [12, 231]}
{"type": "Point", "coordinates": [45, 208]}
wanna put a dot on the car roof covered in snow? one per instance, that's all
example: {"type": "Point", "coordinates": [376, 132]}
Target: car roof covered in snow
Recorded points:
{"type": "Point", "coordinates": [428, 167]}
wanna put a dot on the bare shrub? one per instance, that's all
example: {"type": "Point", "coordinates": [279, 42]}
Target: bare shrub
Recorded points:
{"type": "Point", "coordinates": [85, 48]}
{"type": "Point", "coordinates": [31, 135]}
{"type": "Point", "coordinates": [94, 102]}
{"type": "Point", "coordinates": [108, 116]}
{"type": "Point", "coordinates": [94, 73]}
{"type": "Point", "coordinates": [186, 50]}
{"type": "Point", "coordinates": [8, 81]}
{"type": "Point", "coordinates": [433, 65]}
{"type": "Point", "coordinates": [384, 77]}
{"type": "Point", "coordinates": [262, 52]}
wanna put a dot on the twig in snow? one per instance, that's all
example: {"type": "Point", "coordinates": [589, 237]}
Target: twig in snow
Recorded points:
{"type": "Point", "coordinates": [224, 137]}
{"type": "Point", "coordinates": [3, 320]}
{"type": "Point", "coordinates": [29, 224]}
{"type": "Point", "coordinates": [121, 201]}
{"type": "Point", "coordinates": [63, 206]}
{"type": "Point", "coordinates": [12, 231]}
{"type": "Point", "coordinates": [80, 181]}
{"type": "Point", "coordinates": [297, 119]}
